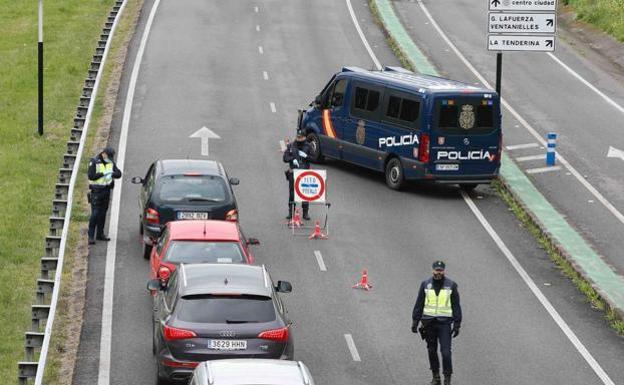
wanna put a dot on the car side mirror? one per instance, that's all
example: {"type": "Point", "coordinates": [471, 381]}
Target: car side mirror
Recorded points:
{"type": "Point", "coordinates": [283, 287]}
{"type": "Point", "coordinates": [154, 285]}
{"type": "Point", "coordinates": [234, 181]}
{"type": "Point", "coordinates": [137, 180]}
{"type": "Point", "coordinates": [253, 241]}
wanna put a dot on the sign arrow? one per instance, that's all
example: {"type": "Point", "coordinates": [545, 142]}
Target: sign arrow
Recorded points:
{"type": "Point", "coordinates": [549, 43]}
{"type": "Point", "coordinates": [615, 153]}
{"type": "Point", "coordinates": [550, 22]}
{"type": "Point", "coordinates": [495, 3]}
{"type": "Point", "coordinates": [204, 134]}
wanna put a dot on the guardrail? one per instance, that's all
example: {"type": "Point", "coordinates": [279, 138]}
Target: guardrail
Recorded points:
{"type": "Point", "coordinates": [37, 340]}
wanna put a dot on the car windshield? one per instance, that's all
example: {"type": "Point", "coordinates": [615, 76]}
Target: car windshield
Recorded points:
{"type": "Point", "coordinates": [204, 252]}
{"type": "Point", "coordinates": [190, 188]}
{"type": "Point", "coordinates": [226, 309]}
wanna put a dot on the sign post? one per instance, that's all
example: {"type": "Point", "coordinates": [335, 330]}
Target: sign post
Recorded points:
{"type": "Point", "coordinates": [528, 25]}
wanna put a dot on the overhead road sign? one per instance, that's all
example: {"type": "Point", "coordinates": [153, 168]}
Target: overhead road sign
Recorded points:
{"type": "Point", "coordinates": [310, 185]}
{"type": "Point", "coordinates": [521, 43]}
{"type": "Point", "coordinates": [522, 5]}
{"type": "Point", "coordinates": [508, 22]}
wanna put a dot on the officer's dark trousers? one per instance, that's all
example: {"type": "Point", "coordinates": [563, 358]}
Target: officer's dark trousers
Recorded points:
{"type": "Point", "coordinates": [439, 333]}
{"type": "Point", "coordinates": [291, 196]}
{"type": "Point", "coordinates": [99, 207]}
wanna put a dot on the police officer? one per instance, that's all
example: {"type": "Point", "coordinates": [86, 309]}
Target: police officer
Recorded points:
{"type": "Point", "coordinates": [102, 171]}
{"type": "Point", "coordinates": [297, 156]}
{"type": "Point", "coordinates": [438, 308]}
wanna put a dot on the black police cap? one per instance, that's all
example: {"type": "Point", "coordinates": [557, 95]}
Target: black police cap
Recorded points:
{"type": "Point", "coordinates": [438, 265]}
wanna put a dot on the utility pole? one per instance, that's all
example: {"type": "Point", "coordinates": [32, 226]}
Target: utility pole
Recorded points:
{"type": "Point", "coordinates": [40, 67]}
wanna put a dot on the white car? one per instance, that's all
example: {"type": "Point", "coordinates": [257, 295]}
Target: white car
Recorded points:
{"type": "Point", "coordinates": [251, 371]}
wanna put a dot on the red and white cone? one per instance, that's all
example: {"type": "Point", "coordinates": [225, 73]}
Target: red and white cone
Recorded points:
{"type": "Point", "coordinates": [317, 233]}
{"type": "Point", "coordinates": [363, 284]}
{"type": "Point", "coordinates": [296, 220]}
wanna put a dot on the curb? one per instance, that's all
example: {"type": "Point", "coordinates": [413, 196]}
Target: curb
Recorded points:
{"type": "Point", "coordinates": [588, 264]}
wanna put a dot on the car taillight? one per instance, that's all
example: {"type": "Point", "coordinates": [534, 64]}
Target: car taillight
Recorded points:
{"type": "Point", "coordinates": [232, 215]}
{"type": "Point", "coordinates": [172, 333]}
{"type": "Point", "coordinates": [179, 364]}
{"type": "Point", "coordinates": [164, 273]}
{"type": "Point", "coordinates": [277, 335]}
{"type": "Point", "coordinates": [152, 216]}
{"type": "Point", "coordinates": [423, 148]}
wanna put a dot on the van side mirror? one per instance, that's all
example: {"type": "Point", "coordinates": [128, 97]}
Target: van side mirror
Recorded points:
{"type": "Point", "coordinates": [253, 241]}
{"type": "Point", "coordinates": [317, 101]}
{"type": "Point", "coordinates": [137, 180]}
{"type": "Point", "coordinates": [283, 287]}
{"type": "Point", "coordinates": [154, 285]}
{"type": "Point", "coordinates": [234, 181]}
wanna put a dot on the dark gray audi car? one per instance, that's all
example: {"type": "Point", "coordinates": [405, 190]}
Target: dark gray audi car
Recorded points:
{"type": "Point", "coordinates": [213, 311]}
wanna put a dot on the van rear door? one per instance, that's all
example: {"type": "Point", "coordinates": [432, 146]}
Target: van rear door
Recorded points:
{"type": "Point", "coordinates": [465, 135]}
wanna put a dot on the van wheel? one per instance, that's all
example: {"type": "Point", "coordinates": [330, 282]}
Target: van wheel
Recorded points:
{"type": "Point", "coordinates": [468, 187]}
{"type": "Point", "coordinates": [315, 144]}
{"type": "Point", "coordinates": [147, 250]}
{"type": "Point", "coordinates": [394, 174]}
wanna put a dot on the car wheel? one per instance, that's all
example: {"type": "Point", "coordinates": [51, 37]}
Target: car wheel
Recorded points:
{"type": "Point", "coordinates": [468, 187]}
{"type": "Point", "coordinates": [394, 174]}
{"type": "Point", "coordinates": [160, 380]}
{"type": "Point", "coordinates": [315, 144]}
{"type": "Point", "coordinates": [153, 337]}
{"type": "Point", "coordinates": [147, 250]}
{"type": "Point", "coordinates": [140, 227]}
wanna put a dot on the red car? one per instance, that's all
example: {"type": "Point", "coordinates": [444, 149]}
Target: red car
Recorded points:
{"type": "Point", "coordinates": [207, 241]}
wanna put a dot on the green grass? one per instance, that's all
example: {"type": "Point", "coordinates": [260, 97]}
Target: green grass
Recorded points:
{"type": "Point", "coordinates": [608, 15]}
{"type": "Point", "coordinates": [29, 163]}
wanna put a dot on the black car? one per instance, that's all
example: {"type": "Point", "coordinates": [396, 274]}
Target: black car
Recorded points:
{"type": "Point", "coordinates": [215, 311]}
{"type": "Point", "coordinates": [178, 189]}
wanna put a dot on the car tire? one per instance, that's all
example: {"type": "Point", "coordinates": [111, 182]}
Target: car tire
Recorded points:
{"type": "Point", "coordinates": [468, 187]}
{"type": "Point", "coordinates": [140, 227]}
{"type": "Point", "coordinates": [147, 250]}
{"type": "Point", "coordinates": [316, 155]}
{"type": "Point", "coordinates": [160, 380]}
{"type": "Point", "coordinates": [394, 174]}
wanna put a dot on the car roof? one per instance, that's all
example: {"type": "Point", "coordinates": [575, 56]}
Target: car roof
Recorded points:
{"type": "Point", "coordinates": [216, 278]}
{"type": "Point", "coordinates": [254, 371]}
{"type": "Point", "coordinates": [181, 166]}
{"type": "Point", "coordinates": [204, 230]}
{"type": "Point", "coordinates": [424, 84]}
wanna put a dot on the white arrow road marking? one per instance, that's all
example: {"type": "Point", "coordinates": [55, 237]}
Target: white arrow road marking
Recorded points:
{"type": "Point", "coordinates": [204, 134]}
{"type": "Point", "coordinates": [615, 153]}
{"type": "Point", "coordinates": [319, 259]}
{"type": "Point", "coordinates": [352, 348]}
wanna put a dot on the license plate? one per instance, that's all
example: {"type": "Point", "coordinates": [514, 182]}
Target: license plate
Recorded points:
{"type": "Point", "coordinates": [227, 344]}
{"type": "Point", "coordinates": [447, 167]}
{"type": "Point", "coordinates": [192, 215]}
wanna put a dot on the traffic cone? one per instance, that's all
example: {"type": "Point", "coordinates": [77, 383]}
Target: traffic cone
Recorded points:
{"type": "Point", "coordinates": [317, 234]}
{"type": "Point", "coordinates": [296, 220]}
{"type": "Point", "coordinates": [363, 284]}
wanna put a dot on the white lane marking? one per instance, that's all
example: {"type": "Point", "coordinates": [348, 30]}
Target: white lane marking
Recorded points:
{"type": "Point", "coordinates": [538, 294]}
{"type": "Point", "coordinates": [588, 84]}
{"type": "Point", "coordinates": [261, 50]}
{"type": "Point", "coordinates": [352, 348]}
{"type": "Point", "coordinates": [514, 262]}
{"type": "Point", "coordinates": [257, 28]}
{"type": "Point", "coordinates": [282, 145]}
{"type": "Point", "coordinates": [531, 157]}
{"type": "Point", "coordinates": [273, 109]}
{"type": "Point", "coordinates": [362, 37]}
{"type": "Point", "coordinates": [521, 146]}
{"type": "Point", "coordinates": [256, 9]}
{"type": "Point", "coordinates": [319, 259]}
{"type": "Point", "coordinates": [265, 75]}
{"type": "Point", "coordinates": [615, 153]}
{"type": "Point", "coordinates": [522, 121]}
{"type": "Point", "coordinates": [540, 170]}
{"type": "Point", "coordinates": [109, 274]}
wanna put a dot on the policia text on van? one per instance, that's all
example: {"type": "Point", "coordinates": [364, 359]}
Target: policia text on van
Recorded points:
{"type": "Point", "coordinates": [407, 125]}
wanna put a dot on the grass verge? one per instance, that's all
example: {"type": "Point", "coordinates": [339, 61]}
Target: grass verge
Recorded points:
{"type": "Point", "coordinates": [394, 46]}
{"type": "Point", "coordinates": [28, 162]}
{"type": "Point", "coordinates": [608, 15]}
{"type": "Point", "coordinates": [68, 325]}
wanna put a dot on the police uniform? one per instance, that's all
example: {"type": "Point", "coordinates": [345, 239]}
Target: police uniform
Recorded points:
{"type": "Point", "coordinates": [101, 174]}
{"type": "Point", "coordinates": [297, 156]}
{"type": "Point", "coordinates": [439, 310]}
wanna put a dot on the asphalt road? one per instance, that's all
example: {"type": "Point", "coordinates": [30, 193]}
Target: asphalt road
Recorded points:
{"type": "Point", "coordinates": [203, 67]}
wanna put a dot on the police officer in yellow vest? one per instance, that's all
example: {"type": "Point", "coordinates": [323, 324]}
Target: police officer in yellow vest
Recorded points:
{"type": "Point", "coordinates": [102, 171]}
{"type": "Point", "coordinates": [437, 308]}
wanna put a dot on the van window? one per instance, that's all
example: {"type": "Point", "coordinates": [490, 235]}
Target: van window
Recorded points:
{"type": "Point", "coordinates": [403, 110]}
{"type": "Point", "coordinates": [366, 99]}
{"type": "Point", "coordinates": [336, 94]}
{"type": "Point", "coordinates": [465, 116]}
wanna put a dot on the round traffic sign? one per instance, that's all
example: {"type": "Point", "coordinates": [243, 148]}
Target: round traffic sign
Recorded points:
{"type": "Point", "coordinates": [309, 186]}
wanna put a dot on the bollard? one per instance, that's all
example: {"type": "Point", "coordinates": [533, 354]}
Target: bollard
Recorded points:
{"type": "Point", "coordinates": [550, 151]}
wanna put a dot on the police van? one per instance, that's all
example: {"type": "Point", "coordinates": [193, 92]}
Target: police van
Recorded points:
{"type": "Point", "coordinates": [407, 125]}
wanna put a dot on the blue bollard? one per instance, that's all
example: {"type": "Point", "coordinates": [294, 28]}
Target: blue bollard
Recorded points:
{"type": "Point", "coordinates": [550, 151]}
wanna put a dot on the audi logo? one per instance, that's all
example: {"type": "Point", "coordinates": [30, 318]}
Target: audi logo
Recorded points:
{"type": "Point", "coordinates": [227, 333]}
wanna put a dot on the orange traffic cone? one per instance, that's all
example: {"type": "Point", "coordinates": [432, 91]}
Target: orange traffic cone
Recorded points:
{"type": "Point", "coordinates": [363, 284]}
{"type": "Point", "coordinates": [296, 220]}
{"type": "Point", "coordinates": [317, 234]}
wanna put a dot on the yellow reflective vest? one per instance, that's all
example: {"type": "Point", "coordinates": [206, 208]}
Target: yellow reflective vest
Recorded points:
{"type": "Point", "coordinates": [438, 305]}
{"type": "Point", "coordinates": [106, 169]}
